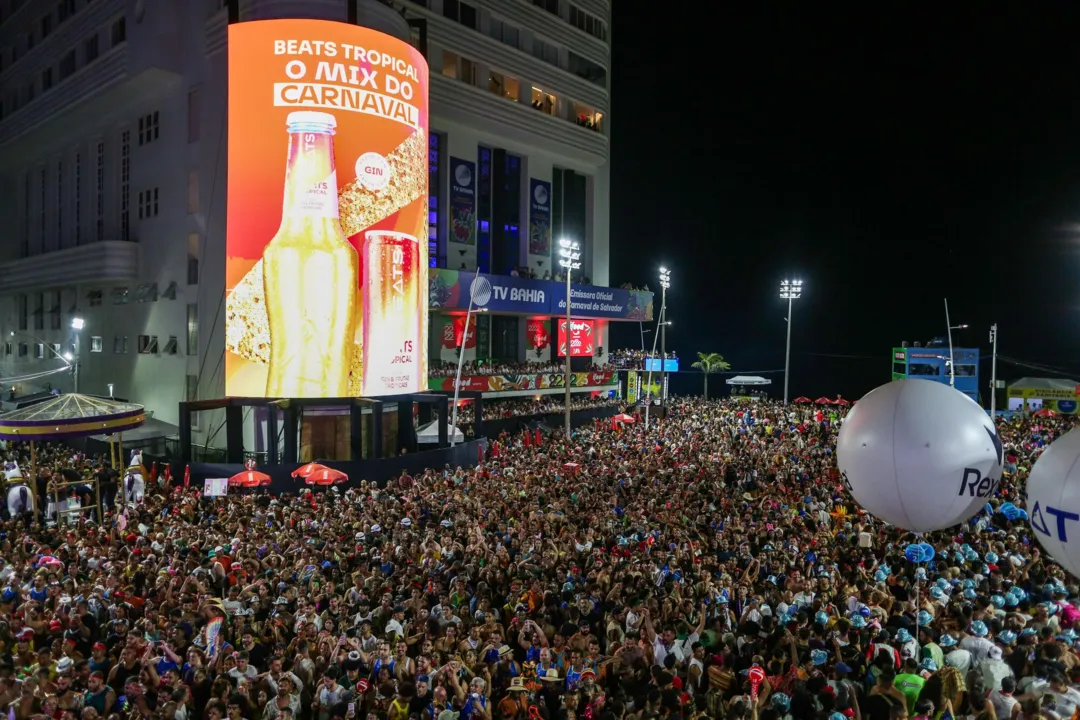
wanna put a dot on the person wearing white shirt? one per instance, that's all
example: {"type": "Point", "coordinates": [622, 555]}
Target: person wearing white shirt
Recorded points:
{"type": "Point", "coordinates": [979, 647]}
{"type": "Point", "coordinates": [1058, 699]}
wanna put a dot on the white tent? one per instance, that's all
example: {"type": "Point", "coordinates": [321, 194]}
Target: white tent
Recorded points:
{"type": "Point", "coordinates": [429, 434]}
{"type": "Point", "coordinates": [748, 380]}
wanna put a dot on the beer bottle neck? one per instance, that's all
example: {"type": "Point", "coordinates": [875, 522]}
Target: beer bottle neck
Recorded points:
{"type": "Point", "coordinates": [310, 178]}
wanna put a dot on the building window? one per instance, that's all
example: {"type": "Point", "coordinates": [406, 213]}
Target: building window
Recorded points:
{"type": "Point", "coordinates": [170, 346]}
{"type": "Point", "coordinates": [46, 79]}
{"type": "Point", "coordinates": [544, 102]}
{"type": "Point", "coordinates": [119, 32]}
{"type": "Point", "coordinates": [193, 259]}
{"type": "Point", "coordinates": [194, 110]}
{"type": "Point", "coordinates": [588, 23]}
{"type": "Point", "coordinates": [148, 345]}
{"type": "Point", "coordinates": [60, 202]}
{"type": "Point", "coordinates": [148, 203]}
{"type": "Point", "coordinates": [461, 12]}
{"type": "Point", "coordinates": [483, 209]}
{"type": "Point", "coordinates": [191, 388]}
{"type": "Point", "coordinates": [39, 351]}
{"type": "Point", "coordinates": [120, 296]}
{"type": "Point", "coordinates": [193, 191]}
{"type": "Point", "coordinates": [149, 129]}
{"type": "Point", "coordinates": [54, 311]}
{"type": "Point", "coordinates": [46, 25]}
{"type": "Point", "coordinates": [99, 190]}
{"type": "Point", "coordinates": [587, 69]}
{"type": "Point", "coordinates": [42, 207]}
{"type": "Point", "coordinates": [146, 292]}
{"type": "Point", "coordinates": [545, 51]}
{"type": "Point", "coordinates": [24, 349]}
{"type": "Point", "coordinates": [450, 64]}
{"type": "Point", "coordinates": [9, 348]}
{"type": "Point", "coordinates": [503, 85]}
{"type": "Point", "coordinates": [27, 182]}
{"type": "Point", "coordinates": [67, 66]}
{"type": "Point", "coordinates": [125, 185]}
{"type": "Point", "coordinates": [586, 117]}
{"type": "Point", "coordinates": [55, 348]}
{"type": "Point", "coordinates": [552, 6]}
{"type": "Point", "coordinates": [95, 343]}
{"type": "Point", "coordinates": [23, 303]}
{"type": "Point", "coordinates": [434, 197]}
{"type": "Point", "coordinates": [193, 329]}
{"type": "Point", "coordinates": [90, 49]}
{"type": "Point", "coordinates": [504, 32]}
{"type": "Point", "coordinates": [93, 298]}
{"type": "Point", "coordinates": [78, 198]}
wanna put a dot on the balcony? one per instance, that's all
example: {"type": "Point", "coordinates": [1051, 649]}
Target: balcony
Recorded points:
{"type": "Point", "coordinates": [103, 262]}
{"type": "Point", "coordinates": [519, 122]}
{"type": "Point", "coordinates": [103, 88]}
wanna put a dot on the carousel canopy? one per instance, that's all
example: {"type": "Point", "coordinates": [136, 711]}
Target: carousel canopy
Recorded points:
{"type": "Point", "coordinates": [71, 415]}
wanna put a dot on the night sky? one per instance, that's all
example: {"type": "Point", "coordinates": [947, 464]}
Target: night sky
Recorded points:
{"type": "Point", "coordinates": [887, 162]}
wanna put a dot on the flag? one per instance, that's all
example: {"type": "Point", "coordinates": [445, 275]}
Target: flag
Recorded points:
{"type": "Point", "coordinates": [528, 438]}
{"type": "Point", "coordinates": [168, 473]}
{"type": "Point", "coordinates": [153, 472]}
{"type": "Point", "coordinates": [539, 437]}
{"type": "Point", "coordinates": [187, 476]}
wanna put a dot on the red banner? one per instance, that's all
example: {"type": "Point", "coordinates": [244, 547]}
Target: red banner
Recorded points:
{"type": "Point", "coordinates": [509, 383]}
{"type": "Point", "coordinates": [537, 331]}
{"type": "Point", "coordinates": [582, 338]}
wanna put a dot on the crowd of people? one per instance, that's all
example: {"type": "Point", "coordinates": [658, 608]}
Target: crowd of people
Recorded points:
{"type": "Point", "coordinates": [532, 406]}
{"type": "Point", "coordinates": [633, 358]}
{"type": "Point", "coordinates": [709, 566]}
{"type": "Point", "coordinates": [448, 368]}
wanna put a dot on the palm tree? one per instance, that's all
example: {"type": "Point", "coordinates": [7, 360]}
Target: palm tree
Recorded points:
{"type": "Point", "coordinates": [710, 363]}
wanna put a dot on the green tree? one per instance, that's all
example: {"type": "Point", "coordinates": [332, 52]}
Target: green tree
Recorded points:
{"type": "Point", "coordinates": [710, 363]}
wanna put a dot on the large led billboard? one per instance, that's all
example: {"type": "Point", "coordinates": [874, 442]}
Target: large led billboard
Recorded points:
{"type": "Point", "coordinates": [326, 247]}
{"type": "Point", "coordinates": [582, 338]}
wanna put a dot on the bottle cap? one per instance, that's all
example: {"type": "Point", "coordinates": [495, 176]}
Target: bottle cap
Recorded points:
{"type": "Point", "coordinates": [304, 117]}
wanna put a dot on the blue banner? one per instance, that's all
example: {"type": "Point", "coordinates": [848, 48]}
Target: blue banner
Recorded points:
{"type": "Point", "coordinates": [449, 290]}
{"type": "Point", "coordinates": [462, 201]}
{"type": "Point", "coordinates": [653, 365]}
{"type": "Point", "coordinates": [539, 217]}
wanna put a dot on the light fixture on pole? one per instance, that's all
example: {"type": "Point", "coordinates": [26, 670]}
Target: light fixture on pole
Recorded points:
{"type": "Point", "coordinates": [77, 324]}
{"type": "Point", "coordinates": [569, 260]}
{"type": "Point", "coordinates": [790, 290]}
{"type": "Point", "coordinates": [479, 294]}
{"type": "Point", "coordinates": [665, 283]}
{"type": "Point", "coordinates": [952, 365]}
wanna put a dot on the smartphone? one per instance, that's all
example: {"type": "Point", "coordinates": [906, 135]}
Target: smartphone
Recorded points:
{"type": "Point", "coordinates": [352, 708]}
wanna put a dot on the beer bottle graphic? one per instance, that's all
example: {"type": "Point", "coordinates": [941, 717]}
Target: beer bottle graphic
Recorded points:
{"type": "Point", "coordinates": [310, 271]}
{"type": "Point", "coordinates": [392, 313]}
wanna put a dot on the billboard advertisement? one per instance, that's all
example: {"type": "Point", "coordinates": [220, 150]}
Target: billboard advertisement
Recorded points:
{"type": "Point", "coordinates": [453, 329]}
{"type": "Point", "coordinates": [541, 381]}
{"type": "Point", "coordinates": [581, 339]}
{"type": "Point", "coordinates": [326, 250]}
{"type": "Point", "coordinates": [536, 330]}
{"type": "Point", "coordinates": [539, 217]}
{"type": "Point", "coordinates": [462, 201]}
{"type": "Point", "coordinates": [449, 290]}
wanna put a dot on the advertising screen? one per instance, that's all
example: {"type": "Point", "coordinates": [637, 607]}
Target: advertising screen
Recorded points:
{"type": "Point", "coordinates": [326, 247]}
{"type": "Point", "coordinates": [653, 365]}
{"type": "Point", "coordinates": [582, 335]}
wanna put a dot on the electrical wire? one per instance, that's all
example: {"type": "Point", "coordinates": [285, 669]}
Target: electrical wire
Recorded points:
{"type": "Point", "coordinates": [34, 376]}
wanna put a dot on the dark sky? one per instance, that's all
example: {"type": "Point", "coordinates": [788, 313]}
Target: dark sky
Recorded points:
{"type": "Point", "coordinates": [889, 162]}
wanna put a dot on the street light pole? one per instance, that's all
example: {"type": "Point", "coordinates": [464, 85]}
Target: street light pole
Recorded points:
{"type": "Point", "coordinates": [477, 291]}
{"type": "Point", "coordinates": [569, 260]}
{"type": "Point", "coordinates": [665, 283]}
{"type": "Point", "coordinates": [952, 360]}
{"type": "Point", "coordinates": [993, 374]}
{"type": "Point", "coordinates": [790, 290]}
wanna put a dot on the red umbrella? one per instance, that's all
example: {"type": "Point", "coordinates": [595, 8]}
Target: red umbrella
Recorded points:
{"type": "Point", "coordinates": [802, 400]}
{"type": "Point", "coordinates": [306, 470]}
{"type": "Point", "coordinates": [249, 479]}
{"type": "Point", "coordinates": [1045, 412]}
{"type": "Point", "coordinates": [823, 401]}
{"type": "Point", "coordinates": [842, 402]}
{"type": "Point", "coordinates": [624, 418]}
{"type": "Point", "coordinates": [326, 476]}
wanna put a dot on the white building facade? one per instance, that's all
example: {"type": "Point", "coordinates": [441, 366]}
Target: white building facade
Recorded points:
{"type": "Point", "coordinates": [113, 180]}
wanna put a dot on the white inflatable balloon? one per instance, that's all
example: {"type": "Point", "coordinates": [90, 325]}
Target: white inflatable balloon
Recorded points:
{"type": "Point", "coordinates": [919, 454]}
{"type": "Point", "coordinates": [1053, 500]}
